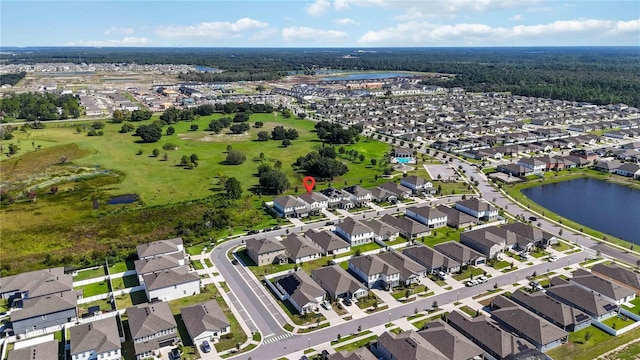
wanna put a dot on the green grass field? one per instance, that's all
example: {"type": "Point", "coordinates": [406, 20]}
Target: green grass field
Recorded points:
{"type": "Point", "coordinates": [93, 289]}
{"type": "Point", "coordinates": [89, 274]}
{"type": "Point", "coordinates": [586, 347]}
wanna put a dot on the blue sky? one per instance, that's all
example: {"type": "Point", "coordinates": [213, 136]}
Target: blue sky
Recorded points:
{"type": "Point", "coordinates": [320, 23]}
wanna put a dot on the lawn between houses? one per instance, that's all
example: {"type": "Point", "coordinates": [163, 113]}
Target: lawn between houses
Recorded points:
{"type": "Point", "coordinates": [591, 342]}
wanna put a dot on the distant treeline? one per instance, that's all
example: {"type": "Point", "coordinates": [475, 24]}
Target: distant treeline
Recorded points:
{"type": "Point", "coordinates": [40, 107]}
{"type": "Point", "coordinates": [599, 75]}
{"type": "Point", "coordinates": [11, 79]}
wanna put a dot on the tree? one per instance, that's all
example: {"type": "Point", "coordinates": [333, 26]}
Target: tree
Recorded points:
{"type": "Point", "coordinates": [215, 126]}
{"type": "Point", "coordinates": [278, 133]}
{"type": "Point", "coordinates": [277, 164]}
{"type": "Point", "coordinates": [291, 134]}
{"type": "Point", "coordinates": [235, 157]}
{"type": "Point", "coordinates": [239, 128]}
{"type": "Point", "coordinates": [194, 127]}
{"type": "Point", "coordinates": [233, 188]}
{"type": "Point", "coordinates": [171, 130]}
{"type": "Point", "coordinates": [119, 116]}
{"type": "Point", "coordinates": [263, 135]}
{"type": "Point", "coordinates": [184, 161]}
{"type": "Point", "coordinates": [258, 124]}
{"type": "Point", "coordinates": [286, 142]}
{"type": "Point", "coordinates": [373, 162]}
{"type": "Point", "coordinates": [149, 133]}
{"type": "Point", "coordinates": [156, 152]}
{"type": "Point", "coordinates": [274, 181]}
{"type": "Point", "coordinates": [361, 157]}
{"type": "Point", "coordinates": [260, 88]}
{"type": "Point", "coordinates": [194, 159]}
{"type": "Point", "coordinates": [263, 168]}
{"type": "Point", "coordinates": [126, 128]}
{"type": "Point", "coordinates": [261, 156]}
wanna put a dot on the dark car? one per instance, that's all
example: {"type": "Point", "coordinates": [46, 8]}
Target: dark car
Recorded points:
{"type": "Point", "coordinates": [347, 301]}
{"type": "Point", "coordinates": [253, 232]}
{"type": "Point", "coordinates": [277, 227]}
{"type": "Point", "coordinates": [234, 261]}
{"type": "Point", "coordinates": [175, 354]}
{"type": "Point", "coordinates": [206, 347]}
{"type": "Point", "coordinates": [328, 223]}
{"type": "Point", "coordinates": [266, 230]}
{"type": "Point", "coordinates": [533, 218]}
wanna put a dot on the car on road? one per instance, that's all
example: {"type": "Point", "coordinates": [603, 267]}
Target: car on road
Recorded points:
{"type": "Point", "coordinates": [234, 261]}
{"type": "Point", "coordinates": [482, 279]}
{"type": "Point", "coordinates": [471, 283]}
{"type": "Point", "coordinates": [327, 305]}
{"type": "Point", "coordinates": [329, 223]}
{"type": "Point", "coordinates": [266, 229]}
{"type": "Point", "coordinates": [206, 347]}
{"type": "Point", "coordinates": [347, 301]}
{"type": "Point", "coordinates": [553, 258]}
{"type": "Point", "coordinates": [533, 218]}
{"type": "Point", "coordinates": [277, 227]}
{"type": "Point", "coordinates": [252, 232]}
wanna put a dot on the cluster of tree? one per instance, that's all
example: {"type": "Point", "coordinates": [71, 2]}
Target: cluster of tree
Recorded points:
{"type": "Point", "coordinates": [279, 133]}
{"type": "Point", "coordinates": [149, 133]}
{"type": "Point", "coordinates": [187, 161]}
{"type": "Point", "coordinates": [12, 78]}
{"type": "Point", "coordinates": [334, 133]}
{"type": "Point", "coordinates": [40, 107]}
{"type": "Point", "coordinates": [230, 76]}
{"type": "Point", "coordinates": [173, 115]}
{"type": "Point", "coordinates": [233, 107]}
{"type": "Point", "coordinates": [217, 125]}
{"type": "Point", "coordinates": [120, 116]}
{"type": "Point", "coordinates": [352, 154]}
{"type": "Point", "coordinates": [239, 128]}
{"type": "Point", "coordinates": [235, 157]}
{"type": "Point", "coordinates": [272, 181]}
{"type": "Point", "coordinates": [96, 129]}
{"type": "Point", "coordinates": [321, 164]}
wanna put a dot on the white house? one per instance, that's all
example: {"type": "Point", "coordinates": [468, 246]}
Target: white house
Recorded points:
{"type": "Point", "coordinates": [426, 215]}
{"type": "Point", "coordinates": [205, 321]}
{"type": "Point", "coordinates": [171, 284]}
{"type": "Point", "coordinates": [301, 291]}
{"type": "Point", "coordinates": [315, 201]}
{"type": "Point", "coordinates": [95, 340]}
{"type": "Point", "coordinates": [373, 271]}
{"type": "Point", "coordinates": [290, 206]}
{"type": "Point", "coordinates": [417, 184]}
{"type": "Point", "coordinates": [355, 232]}
{"type": "Point", "coordinates": [535, 165]}
{"type": "Point", "coordinates": [359, 195]}
{"type": "Point", "coordinates": [480, 210]}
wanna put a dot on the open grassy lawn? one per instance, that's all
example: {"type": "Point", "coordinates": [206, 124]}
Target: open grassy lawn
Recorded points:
{"type": "Point", "coordinates": [94, 289]}
{"type": "Point", "coordinates": [562, 246]}
{"type": "Point", "coordinates": [636, 305]}
{"type": "Point", "coordinates": [356, 345]}
{"type": "Point", "coordinates": [121, 267]}
{"type": "Point", "coordinates": [466, 274]}
{"type": "Point", "coordinates": [196, 249]}
{"type": "Point", "coordinates": [629, 352]}
{"type": "Point", "coordinates": [128, 300]}
{"type": "Point", "coordinates": [587, 347]}
{"type": "Point", "coordinates": [125, 282]}
{"type": "Point", "coordinates": [349, 337]}
{"type": "Point", "coordinates": [499, 264]}
{"type": "Point", "coordinates": [197, 264]}
{"type": "Point", "coordinates": [441, 235]}
{"type": "Point", "coordinates": [206, 294]}
{"type": "Point", "coordinates": [90, 274]}
{"type": "Point", "coordinates": [618, 322]}
{"type": "Point", "coordinates": [105, 305]}
{"type": "Point", "coordinates": [369, 300]}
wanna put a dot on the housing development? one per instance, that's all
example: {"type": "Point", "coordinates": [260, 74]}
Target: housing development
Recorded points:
{"type": "Point", "coordinates": [439, 256]}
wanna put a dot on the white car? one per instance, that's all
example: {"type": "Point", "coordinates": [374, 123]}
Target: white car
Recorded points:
{"type": "Point", "coordinates": [553, 258]}
{"type": "Point", "coordinates": [471, 283]}
{"type": "Point", "coordinates": [442, 275]}
{"type": "Point", "coordinates": [326, 305]}
{"type": "Point", "coordinates": [482, 279]}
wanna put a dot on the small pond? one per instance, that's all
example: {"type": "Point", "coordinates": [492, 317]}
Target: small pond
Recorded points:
{"type": "Point", "coordinates": [123, 199]}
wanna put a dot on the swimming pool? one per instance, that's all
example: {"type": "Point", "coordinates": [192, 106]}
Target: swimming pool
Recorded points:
{"type": "Point", "coordinates": [404, 160]}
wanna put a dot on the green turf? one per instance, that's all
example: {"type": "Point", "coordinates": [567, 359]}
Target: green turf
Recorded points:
{"type": "Point", "coordinates": [598, 343]}
{"type": "Point", "coordinates": [93, 289]}
{"type": "Point", "coordinates": [89, 274]}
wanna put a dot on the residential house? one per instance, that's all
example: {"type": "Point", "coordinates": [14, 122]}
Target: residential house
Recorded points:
{"type": "Point", "coordinates": [432, 260]}
{"type": "Point", "coordinates": [538, 236]}
{"type": "Point", "coordinates": [382, 195]}
{"type": "Point", "coordinates": [290, 206]}
{"type": "Point", "coordinates": [410, 271]}
{"type": "Point", "coordinates": [45, 311]}
{"type": "Point", "coordinates": [536, 330]}
{"type": "Point", "coordinates": [381, 230]}
{"type": "Point", "coordinates": [456, 218]}
{"type": "Point", "coordinates": [94, 340]}
{"type": "Point", "coordinates": [205, 321]}
{"type": "Point", "coordinates": [406, 345]}
{"type": "Point", "coordinates": [171, 284]}
{"type": "Point", "coordinates": [337, 198]}
{"type": "Point", "coordinates": [514, 170]}
{"type": "Point", "coordinates": [354, 231]}
{"type": "Point", "coordinates": [328, 242]}
{"type": "Point", "coordinates": [315, 201]}
{"type": "Point", "coordinates": [417, 184]}
{"type": "Point", "coordinates": [374, 272]}
{"type": "Point", "coordinates": [360, 354]}
{"type": "Point", "coordinates": [152, 326]}
{"type": "Point", "coordinates": [449, 341]}
{"type": "Point", "coordinates": [480, 210]}
{"type": "Point", "coordinates": [35, 283]}
{"type": "Point", "coordinates": [496, 342]}
{"type": "Point", "coordinates": [265, 251]}
{"type": "Point", "coordinates": [609, 290]}
{"type": "Point", "coordinates": [160, 248]}
{"type": "Point", "coordinates": [607, 166]}
{"type": "Point", "coordinates": [427, 215]}
{"type": "Point", "coordinates": [400, 191]}
{"type": "Point", "coordinates": [299, 249]}
{"type": "Point", "coordinates": [39, 351]}
{"type": "Point", "coordinates": [584, 300]}
{"type": "Point", "coordinates": [301, 291]}
{"type": "Point", "coordinates": [491, 241]}
{"type": "Point", "coordinates": [535, 165]}
{"type": "Point", "coordinates": [338, 283]}
{"type": "Point", "coordinates": [619, 275]}
{"type": "Point", "coordinates": [359, 195]}
{"type": "Point", "coordinates": [461, 253]}
{"type": "Point", "coordinates": [158, 264]}
{"type": "Point", "coordinates": [628, 170]}
{"type": "Point", "coordinates": [407, 228]}
{"type": "Point", "coordinates": [561, 315]}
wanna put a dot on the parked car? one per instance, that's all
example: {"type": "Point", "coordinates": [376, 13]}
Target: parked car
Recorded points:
{"type": "Point", "coordinates": [329, 223]}
{"type": "Point", "coordinates": [553, 258]}
{"type": "Point", "coordinates": [234, 261]}
{"type": "Point", "coordinates": [174, 354]}
{"type": "Point", "coordinates": [327, 305]}
{"type": "Point", "coordinates": [442, 275]}
{"type": "Point", "coordinates": [533, 284]}
{"type": "Point", "coordinates": [482, 279]}
{"type": "Point", "coordinates": [277, 227]}
{"type": "Point", "coordinates": [471, 283]}
{"type": "Point", "coordinates": [266, 230]}
{"type": "Point", "coordinates": [347, 301]}
{"type": "Point", "coordinates": [533, 218]}
{"type": "Point", "coordinates": [206, 347]}
{"type": "Point", "coordinates": [252, 232]}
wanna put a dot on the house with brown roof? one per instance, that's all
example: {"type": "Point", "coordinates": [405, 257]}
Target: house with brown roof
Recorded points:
{"type": "Point", "coordinates": [299, 249]}
{"type": "Point", "coordinates": [95, 340]}
{"type": "Point", "coordinates": [171, 284]}
{"type": "Point", "coordinates": [409, 229]}
{"type": "Point", "coordinates": [538, 236]}
{"type": "Point", "coordinates": [152, 326]}
{"type": "Point", "coordinates": [290, 206]}
{"type": "Point", "coordinates": [35, 283]}
{"type": "Point", "coordinates": [610, 290]}
{"type": "Point", "coordinates": [205, 321]}
{"type": "Point", "coordinates": [381, 230]}
{"type": "Point", "coordinates": [432, 260]}
{"type": "Point", "coordinates": [452, 344]}
{"type": "Point", "coordinates": [160, 248]}
{"type": "Point", "coordinates": [536, 330]}
{"type": "Point", "coordinates": [265, 251]}
{"type": "Point", "coordinates": [328, 242]}
{"type": "Point", "coordinates": [456, 218]}
{"type": "Point", "coordinates": [478, 209]}
{"type": "Point", "coordinates": [417, 184]}
{"type": "Point", "coordinates": [338, 283]}
{"type": "Point", "coordinates": [404, 346]}
{"type": "Point", "coordinates": [360, 354]}
{"type": "Point", "coordinates": [561, 315]}
{"type": "Point", "coordinates": [618, 274]}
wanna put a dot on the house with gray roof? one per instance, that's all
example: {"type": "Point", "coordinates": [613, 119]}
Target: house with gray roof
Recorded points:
{"type": "Point", "coordinates": [359, 195]}
{"type": "Point", "coordinates": [152, 326]}
{"type": "Point", "coordinates": [407, 345]}
{"type": "Point", "coordinates": [265, 251]}
{"type": "Point", "coordinates": [409, 229]}
{"type": "Point", "coordinates": [618, 274]}
{"type": "Point", "coordinates": [461, 253]}
{"type": "Point", "coordinates": [561, 315]}
{"type": "Point", "coordinates": [360, 354]}
{"type": "Point", "coordinates": [491, 241]}
{"type": "Point", "coordinates": [373, 271]}
{"type": "Point", "coordinates": [400, 191]}
{"type": "Point", "coordinates": [456, 218]}
{"type": "Point", "coordinates": [301, 291]}
{"type": "Point", "coordinates": [478, 209]}
{"type": "Point", "coordinates": [584, 300]}
{"type": "Point", "coordinates": [338, 283]}
{"type": "Point", "coordinates": [40, 351]}
{"type": "Point", "coordinates": [328, 242]}
{"type": "Point", "coordinates": [205, 321]}
{"type": "Point", "coordinates": [290, 206]}
{"type": "Point", "coordinates": [152, 265]}
{"type": "Point", "coordinates": [299, 249]}
{"type": "Point", "coordinates": [496, 342]}
{"type": "Point", "coordinates": [417, 184]}
{"type": "Point", "coordinates": [354, 231]}
{"type": "Point", "coordinates": [315, 201]}
{"type": "Point", "coordinates": [160, 248]}
{"type": "Point", "coordinates": [95, 340]}
{"type": "Point", "coordinates": [381, 230]}
{"type": "Point", "coordinates": [536, 330]}
{"type": "Point", "coordinates": [538, 236]}
{"type": "Point", "coordinates": [427, 215]}
{"type": "Point", "coordinates": [45, 311]}
{"type": "Point", "coordinates": [452, 344]}
{"type": "Point", "coordinates": [410, 271]}
{"type": "Point", "coordinates": [380, 195]}
{"type": "Point", "coordinates": [432, 260]}
{"type": "Point", "coordinates": [337, 198]}
{"type": "Point", "coordinates": [610, 290]}
{"type": "Point", "coordinates": [536, 166]}
{"type": "Point", "coordinates": [35, 283]}
{"type": "Point", "coordinates": [171, 284]}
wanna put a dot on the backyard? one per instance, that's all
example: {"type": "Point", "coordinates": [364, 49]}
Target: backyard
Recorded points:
{"type": "Point", "coordinates": [589, 343]}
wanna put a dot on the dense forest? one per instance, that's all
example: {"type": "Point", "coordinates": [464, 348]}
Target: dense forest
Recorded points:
{"type": "Point", "coordinates": [599, 75]}
{"type": "Point", "coordinates": [40, 107]}
{"type": "Point", "coordinates": [11, 79]}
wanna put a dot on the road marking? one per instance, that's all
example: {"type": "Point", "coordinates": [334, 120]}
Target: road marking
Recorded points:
{"type": "Point", "coordinates": [269, 339]}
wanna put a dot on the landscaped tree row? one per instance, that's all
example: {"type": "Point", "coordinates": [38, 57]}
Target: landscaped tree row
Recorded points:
{"type": "Point", "coordinates": [40, 107]}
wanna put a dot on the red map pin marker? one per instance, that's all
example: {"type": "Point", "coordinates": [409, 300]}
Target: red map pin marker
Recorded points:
{"type": "Point", "coordinates": [309, 182]}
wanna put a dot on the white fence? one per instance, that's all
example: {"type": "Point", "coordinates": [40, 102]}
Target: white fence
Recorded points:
{"type": "Point", "coordinates": [89, 299]}
{"type": "Point", "coordinates": [615, 332]}
{"type": "Point", "coordinates": [493, 223]}
{"type": "Point", "coordinates": [90, 281]}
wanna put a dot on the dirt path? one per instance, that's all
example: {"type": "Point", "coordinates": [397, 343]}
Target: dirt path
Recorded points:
{"type": "Point", "coordinates": [621, 347]}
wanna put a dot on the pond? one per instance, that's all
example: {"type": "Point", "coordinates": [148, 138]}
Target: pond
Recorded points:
{"type": "Point", "coordinates": [610, 208]}
{"type": "Point", "coordinates": [367, 76]}
{"type": "Point", "coordinates": [123, 199]}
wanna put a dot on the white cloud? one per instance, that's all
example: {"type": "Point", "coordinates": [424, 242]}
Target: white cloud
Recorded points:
{"type": "Point", "coordinates": [263, 34]}
{"type": "Point", "coordinates": [127, 41]}
{"type": "Point", "coordinates": [346, 21]}
{"type": "Point", "coordinates": [318, 7]}
{"type": "Point", "coordinates": [212, 30]}
{"type": "Point", "coordinates": [118, 30]}
{"type": "Point", "coordinates": [516, 17]}
{"type": "Point", "coordinates": [307, 34]}
{"type": "Point", "coordinates": [426, 33]}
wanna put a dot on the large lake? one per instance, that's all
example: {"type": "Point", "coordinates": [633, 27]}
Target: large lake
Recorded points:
{"type": "Point", "coordinates": [610, 208]}
{"type": "Point", "coordinates": [367, 76]}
